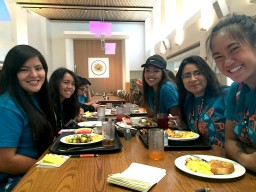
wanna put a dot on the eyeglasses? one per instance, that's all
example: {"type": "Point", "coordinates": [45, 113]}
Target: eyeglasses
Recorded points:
{"type": "Point", "coordinates": [188, 75]}
{"type": "Point", "coordinates": [81, 89]}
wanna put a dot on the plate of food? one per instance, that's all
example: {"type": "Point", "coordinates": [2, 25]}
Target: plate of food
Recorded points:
{"type": "Point", "coordinates": [81, 139]}
{"type": "Point", "coordinates": [83, 130]}
{"type": "Point", "coordinates": [89, 114]}
{"type": "Point", "coordinates": [209, 166]}
{"type": "Point", "coordinates": [177, 135]}
{"type": "Point", "coordinates": [145, 122]}
{"type": "Point", "coordinates": [123, 125]}
{"type": "Point", "coordinates": [90, 124]}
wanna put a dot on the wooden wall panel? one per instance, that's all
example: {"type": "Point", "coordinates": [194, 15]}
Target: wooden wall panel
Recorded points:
{"type": "Point", "coordinates": [84, 49]}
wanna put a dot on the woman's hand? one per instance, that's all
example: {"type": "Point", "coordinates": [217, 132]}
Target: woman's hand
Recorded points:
{"type": "Point", "coordinates": [173, 121]}
{"type": "Point", "coordinates": [176, 122]}
{"type": "Point", "coordinates": [80, 118]}
{"type": "Point", "coordinates": [96, 106]}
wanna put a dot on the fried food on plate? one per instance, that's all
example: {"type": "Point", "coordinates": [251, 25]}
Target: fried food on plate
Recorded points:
{"type": "Point", "coordinates": [180, 134]}
{"type": "Point", "coordinates": [213, 167]}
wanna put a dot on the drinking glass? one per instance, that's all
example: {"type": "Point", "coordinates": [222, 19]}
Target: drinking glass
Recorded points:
{"type": "Point", "coordinates": [101, 113]}
{"type": "Point", "coordinates": [162, 120]}
{"type": "Point", "coordinates": [156, 143]}
{"type": "Point", "coordinates": [119, 114]}
{"type": "Point", "coordinates": [109, 105]}
{"type": "Point", "coordinates": [108, 134]}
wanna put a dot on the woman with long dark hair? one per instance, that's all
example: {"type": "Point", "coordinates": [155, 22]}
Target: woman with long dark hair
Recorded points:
{"type": "Point", "coordinates": [26, 115]}
{"type": "Point", "coordinates": [63, 86]}
{"type": "Point", "coordinates": [160, 94]}
{"type": "Point", "coordinates": [232, 44]}
{"type": "Point", "coordinates": [202, 99]}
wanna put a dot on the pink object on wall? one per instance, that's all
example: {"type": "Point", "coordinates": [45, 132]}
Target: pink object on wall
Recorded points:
{"type": "Point", "coordinates": [110, 48]}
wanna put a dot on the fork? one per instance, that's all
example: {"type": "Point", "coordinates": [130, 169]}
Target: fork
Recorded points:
{"type": "Point", "coordinates": [202, 159]}
{"type": "Point", "coordinates": [81, 148]}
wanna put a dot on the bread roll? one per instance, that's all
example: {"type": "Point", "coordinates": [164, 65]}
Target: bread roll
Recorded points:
{"type": "Point", "coordinates": [221, 167]}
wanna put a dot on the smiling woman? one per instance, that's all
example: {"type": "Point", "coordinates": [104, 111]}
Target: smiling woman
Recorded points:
{"type": "Point", "coordinates": [232, 44]}
{"type": "Point", "coordinates": [32, 75]}
{"type": "Point", "coordinates": [160, 93]}
{"type": "Point", "coordinates": [26, 115]}
{"type": "Point", "coordinates": [63, 86]}
{"type": "Point", "coordinates": [202, 99]}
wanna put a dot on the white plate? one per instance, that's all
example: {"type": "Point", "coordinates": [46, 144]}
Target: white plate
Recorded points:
{"type": "Point", "coordinates": [63, 140]}
{"type": "Point", "coordinates": [123, 125]}
{"type": "Point", "coordinates": [110, 114]}
{"type": "Point", "coordinates": [90, 124]}
{"type": "Point", "coordinates": [239, 169]}
{"type": "Point", "coordinates": [196, 136]}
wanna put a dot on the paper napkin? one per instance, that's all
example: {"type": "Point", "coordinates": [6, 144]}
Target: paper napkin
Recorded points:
{"type": "Point", "coordinates": [138, 177]}
{"type": "Point", "coordinates": [52, 160]}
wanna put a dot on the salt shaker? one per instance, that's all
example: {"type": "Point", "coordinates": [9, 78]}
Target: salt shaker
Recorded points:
{"type": "Point", "coordinates": [127, 134]}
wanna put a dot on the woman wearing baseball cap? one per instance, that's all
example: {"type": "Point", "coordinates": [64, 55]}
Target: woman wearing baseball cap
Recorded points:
{"type": "Point", "coordinates": [160, 94]}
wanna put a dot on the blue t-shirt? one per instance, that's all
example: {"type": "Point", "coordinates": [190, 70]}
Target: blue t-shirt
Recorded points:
{"type": "Point", "coordinates": [210, 121]}
{"type": "Point", "coordinates": [82, 99]}
{"type": "Point", "coordinates": [241, 110]}
{"type": "Point", "coordinates": [15, 131]}
{"type": "Point", "coordinates": [168, 98]}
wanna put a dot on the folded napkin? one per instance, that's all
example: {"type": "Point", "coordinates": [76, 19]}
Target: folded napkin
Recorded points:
{"type": "Point", "coordinates": [138, 177]}
{"type": "Point", "coordinates": [52, 160]}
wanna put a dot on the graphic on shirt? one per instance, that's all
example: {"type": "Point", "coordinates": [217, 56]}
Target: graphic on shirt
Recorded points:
{"type": "Point", "coordinates": [246, 131]}
{"type": "Point", "coordinates": [207, 127]}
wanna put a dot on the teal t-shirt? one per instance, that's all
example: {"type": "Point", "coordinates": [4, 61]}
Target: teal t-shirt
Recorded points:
{"type": "Point", "coordinates": [210, 120]}
{"type": "Point", "coordinates": [241, 109]}
{"type": "Point", "coordinates": [168, 98]}
{"type": "Point", "coordinates": [82, 99]}
{"type": "Point", "coordinates": [15, 131]}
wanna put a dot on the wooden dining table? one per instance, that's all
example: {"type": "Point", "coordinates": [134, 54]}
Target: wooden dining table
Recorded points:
{"type": "Point", "coordinates": [110, 99]}
{"type": "Point", "coordinates": [90, 174]}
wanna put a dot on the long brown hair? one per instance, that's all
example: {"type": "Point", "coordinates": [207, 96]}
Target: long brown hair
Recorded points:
{"type": "Point", "coordinates": [40, 119]}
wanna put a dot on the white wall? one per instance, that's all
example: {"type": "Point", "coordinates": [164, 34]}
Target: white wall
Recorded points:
{"type": "Point", "coordinates": [192, 33]}
{"type": "Point", "coordinates": [49, 37]}
{"type": "Point", "coordinates": [6, 38]}
{"type": "Point", "coordinates": [134, 30]}
{"type": "Point", "coordinates": [25, 28]}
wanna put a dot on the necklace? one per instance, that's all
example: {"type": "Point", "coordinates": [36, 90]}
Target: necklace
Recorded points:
{"type": "Point", "coordinates": [200, 109]}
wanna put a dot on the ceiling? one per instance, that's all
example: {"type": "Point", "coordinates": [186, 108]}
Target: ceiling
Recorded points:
{"type": "Point", "coordinates": [91, 10]}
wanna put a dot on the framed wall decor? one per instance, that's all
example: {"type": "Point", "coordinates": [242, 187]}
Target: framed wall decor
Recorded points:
{"type": "Point", "coordinates": [98, 67]}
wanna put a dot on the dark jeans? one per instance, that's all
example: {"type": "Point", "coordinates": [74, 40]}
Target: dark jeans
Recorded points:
{"type": "Point", "coordinates": [8, 184]}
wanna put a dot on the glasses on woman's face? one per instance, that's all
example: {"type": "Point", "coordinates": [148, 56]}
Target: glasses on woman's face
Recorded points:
{"type": "Point", "coordinates": [187, 76]}
{"type": "Point", "coordinates": [82, 89]}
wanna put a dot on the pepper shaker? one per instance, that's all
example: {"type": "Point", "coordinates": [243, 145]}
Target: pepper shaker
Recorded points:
{"type": "Point", "coordinates": [127, 134]}
{"type": "Point", "coordinates": [165, 138]}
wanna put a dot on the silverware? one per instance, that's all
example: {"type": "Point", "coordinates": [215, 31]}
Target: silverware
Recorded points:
{"type": "Point", "coordinates": [202, 159]}
{"type": "Point", "coordinates": [82, 148]}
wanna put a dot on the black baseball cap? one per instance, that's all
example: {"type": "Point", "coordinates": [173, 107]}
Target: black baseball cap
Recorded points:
{"type": "Point", "coordinates": [157, 61]}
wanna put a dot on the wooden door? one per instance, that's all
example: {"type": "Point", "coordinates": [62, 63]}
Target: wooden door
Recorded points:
{"type": "Point", "coordinates": [84, 49]}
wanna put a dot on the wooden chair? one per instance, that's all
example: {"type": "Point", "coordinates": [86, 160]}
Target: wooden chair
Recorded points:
{"type": "Point", "coordinates": [127, 97]}
{"type": "Point", "coordinates": [137, 97]}
{"type": "Point", "coordinates": [131, 99]}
